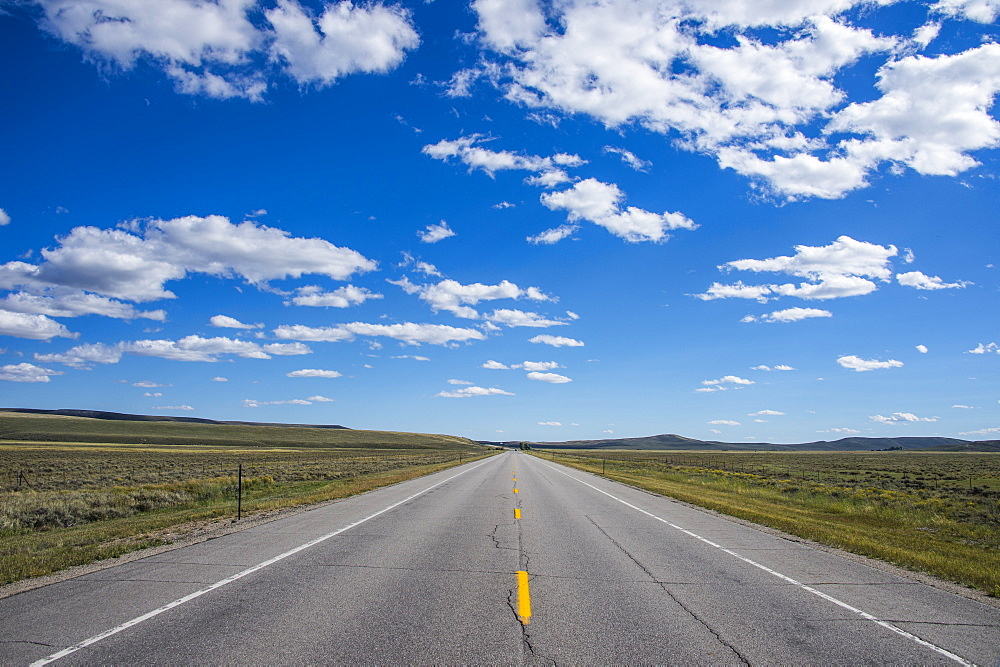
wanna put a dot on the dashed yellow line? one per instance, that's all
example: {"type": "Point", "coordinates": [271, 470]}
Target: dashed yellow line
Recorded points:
{"type": "Point", "coordinates": [517, 513]}
{"type": "Point", "coordinates": [523, 597]}
{"type": "Point", "coordinates": [515, 489]}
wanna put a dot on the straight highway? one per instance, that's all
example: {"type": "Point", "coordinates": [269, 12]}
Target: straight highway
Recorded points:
{"type": "Point", "coordinates": [508, 560]}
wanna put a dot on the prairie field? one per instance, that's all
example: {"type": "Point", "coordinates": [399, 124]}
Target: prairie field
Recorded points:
{"type": "Point", "coordinates": [65, 503]}
{"type": "Point", "coordinates": [932, 512]}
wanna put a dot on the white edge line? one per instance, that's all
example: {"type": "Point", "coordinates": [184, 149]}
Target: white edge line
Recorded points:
{"type": "Point", "coordinates": [239, 575]}
{"type": "Point", "coordinates": [865, 615]}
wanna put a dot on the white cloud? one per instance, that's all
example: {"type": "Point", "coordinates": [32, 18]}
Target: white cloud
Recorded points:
{"type": "Point", "coordinates": [553, 378]}
{"type": "Point", "coordinates": [214, 49]}
{"type": "Point", "coordinates": [189, 348]}
{"type": "Point", "coordinates": [984, 11]}
{"type": "Point", "coordinates": [924, 282]}
{"type": "Point", "coordinates": [520, 318]}
{"type": "Point", "coordinates": [844, 431]}
{"type": "Point", "coordinates": [149, 384]}
{"type": "Point", "coordinates": [4, 218]}
{"type": "Point", "coordinates": [458, 299]}
{"type": "Point", "coordinates": [435, 233]}
{"type": "Point", "coordinates": [224, 321]}
{"type": "Point", "coordinates": [32, 327]}
{"type": "Point", "coordinates": [468, 392]}
{"type": "Point", "coordinates": [152, 394]}
{"type": "Point", "coordinates": [407, 332]}
{"type": "Point", "coordinates": [495, 365]}
{"type": "Point", "coordinates": [600, 203]}
{"type": "Point", "coordinates": [556, 341]}
{"type": "Point", "coordinates": [342, 297]}
{"type": "Point", "coordinates": [779, 367]}
{"type": "Point", "coordinates": [724, 422]}
{"type": "Point", "coordinates": [982, 431]}
{"type": "Point", "coordinates": [771, 107]}
{"type": "Point", "coordinates": [984, 349]}
{"type": "Point", "coordinates": [728, 379]}
{"type": "Point", "coordinates": [901, 417]}
{"type": "Point", "coordinates": [964, 407]}
{"type": "Point", "coordinates": [219, 378]}
{"type": "Point", "coordinates": [63, 302]}
{"type": "Point", "coordinates": [860, 365]}
{"type": "Point", "coordinates": [550, 423]}
{"type": "Point", "coordinates": [136, 267]}
{"type": "Point", "coordinates": [460, 382]}
{"type": "Point", "coordinates": [629, 158]}
{"type": "Point", "coordinates": [794, 315]}
{"type": "Point", "coordinates": [549, 170]}
{"type": "Point", "coordinates": [344, 39]}
{"type": "Point", "coordinates": [313, 373]}
{"type": "Point", "coordinates": [538, 365]}
{"type": "Point", "coordinates": [184, 408]}
{"type": "Point", "coordinates": [553, 236]}
{"type": "Point", "coordinates": [838, 270]}
{"type": "Point", "coordinates": [84, 356]}
{"type": "Point", "coordinates": [766, 413]}
{"type": "Point", "coordinates": [320, 399]}
{"type": "Point", "coordinates": [922, 349]}
{"type": "Point", "coordinates": [252, 403]}
{"type": "Point", "coordinates": [26, 372]}
{"type": "Point", "coordinates": [415, 357]}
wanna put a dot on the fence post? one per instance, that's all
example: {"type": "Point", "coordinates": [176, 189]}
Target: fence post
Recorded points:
{"type": "Point", "coordinates": [239, 494]}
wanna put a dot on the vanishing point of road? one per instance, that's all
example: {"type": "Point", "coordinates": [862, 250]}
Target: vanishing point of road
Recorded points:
{"type": "Point", "coordinates": [507, 560]}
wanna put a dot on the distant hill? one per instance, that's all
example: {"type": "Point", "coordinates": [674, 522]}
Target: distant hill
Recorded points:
{"type": "Point", "coordinates": [19, 425]}
{"type": "Point", "coordinates": [979, 446]}
{"type": "Point", "coordinates": [677, 442]}
{"type": "Point", "coordinates": [120, 416]}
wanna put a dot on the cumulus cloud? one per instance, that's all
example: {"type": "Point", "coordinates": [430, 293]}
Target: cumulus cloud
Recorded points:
{"type": "Point", "coordinates": [553, 236]}
{"type": "Point", "coordinates": [4, 218]}
{"type": "Point", "coordinates": [224, 321]}
{"type": "Point", "coordinates": [725, 422]}
{"type": "Point", "coordinates": [556, 341]}
{"type": "Point", "coordinates": [136, 266]}
{"type": "Point", "coordinates": [779, 367]}
{"type": "Point", "coordinates": [26, 372]}
{"type": "Point", "coordinates": [314, 373]}
{"type": "Point", "coordinates": [342, 297]}
{"type": "Point", "coordinates": [766, 413]}
{"type": "Point", "coordinates": [552, 378]}
{"type": "Point", "coordinates": [923, 282]}
{"type": "Point", "coordinates": [773, 109]}
{"type": "Point", "coordinates": [435, 233]}
{"type": "Point", "coordinates": [841, 269]}
{"type": "Point", "coordinates": [549, 170]}
{"type": "Point", "coordinates": [982, 431]}
{"type": "Point", "coordinates": [629, 158]}
{"type": "Point", "coordinates": [215, 49]}
{"type": "Point", "coordinates": [922, 349]}
{"type": "Point", "coordinates": [458, 299]}
{"type": "Point", "coordinates": [460, 382]}
{"type": "Point", "coordinates": [188, 348]}
{"type": "Point", "coordinates": [984, 349]}
{"type": "Point", "coordinates": [406, 332]}
{"type": "Point", "coordinates": [32, 327]}
{"type": "Point", "coordinates": [600, 203]}
{"type": "Point", "coordinates": [468, 392]}
{"type": "Point", "coordinates": [789, 315]}
{"type": "Point", "coordinates": [550, 423]}
{"type": "Point", "coordinates": [901, 418]}
{"type": "Point", "coordinates": [860, 365]}
{"type": "Point", "coordinates": [63, 302]}
{"type": "Point", "coordinates": [728, 379]}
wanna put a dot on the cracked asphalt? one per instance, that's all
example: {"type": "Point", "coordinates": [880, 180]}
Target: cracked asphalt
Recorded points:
{"type": "Point", "coordinates": [425, 572]}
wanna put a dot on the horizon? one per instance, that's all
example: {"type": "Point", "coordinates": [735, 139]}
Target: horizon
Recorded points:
{"type": "Point", "coordinates": [509, 220]}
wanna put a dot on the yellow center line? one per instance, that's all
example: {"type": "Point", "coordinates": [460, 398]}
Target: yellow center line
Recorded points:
{"type": "Point", "coordinates": [523, 597]}
{"type": "Point", "coordinates": [515, 489]}
{"type": "Point", "coordinates": [517, 513]}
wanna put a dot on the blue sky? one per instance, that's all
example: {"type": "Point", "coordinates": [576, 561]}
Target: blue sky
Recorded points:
{"type": "Point", "coordinates": [508, 220]}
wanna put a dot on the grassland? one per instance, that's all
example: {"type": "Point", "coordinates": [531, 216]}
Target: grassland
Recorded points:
{"type": "Point", "coordinates": [75, 490]}
{"type": "Point", "coordinates": [931, 512]}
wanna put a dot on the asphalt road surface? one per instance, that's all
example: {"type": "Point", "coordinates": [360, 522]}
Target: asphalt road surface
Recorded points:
{"type": "Point", "coordinates": [510, 560]}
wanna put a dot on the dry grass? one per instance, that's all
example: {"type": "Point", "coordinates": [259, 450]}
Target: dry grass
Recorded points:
{"type": "Point", "coordinates": [936, 513]}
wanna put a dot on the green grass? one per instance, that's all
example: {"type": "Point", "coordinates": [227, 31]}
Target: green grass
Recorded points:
{"type": "Point", "coordinates": [935, 513]}
{"type": "Point", "coordinates": [65, 503]}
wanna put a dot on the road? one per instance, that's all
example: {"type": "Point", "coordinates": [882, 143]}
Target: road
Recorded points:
{"type": "Point", "coordinates": [509, 560]}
